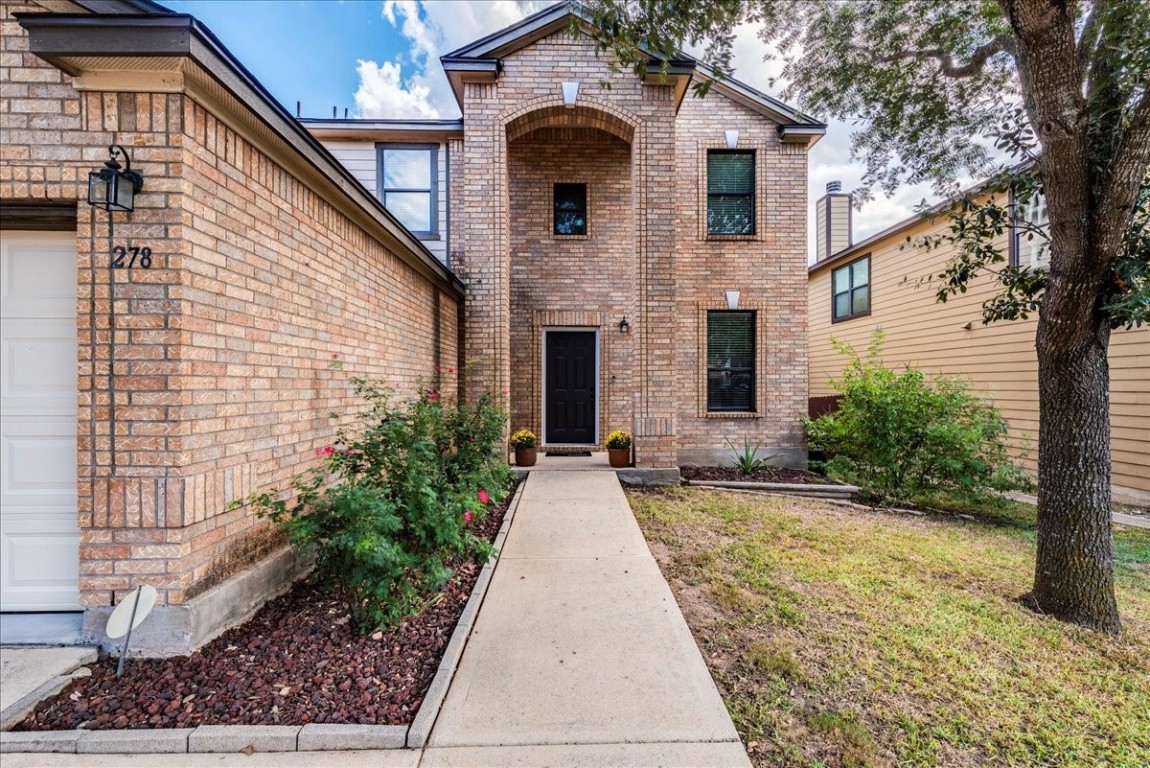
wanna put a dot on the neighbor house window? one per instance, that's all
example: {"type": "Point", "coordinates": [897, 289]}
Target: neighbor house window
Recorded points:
{"type": "Point", "coordinates": [730, 361]}
{"type": "Point", "coordinates": [570, 209]}
{"type": "Point", "coordinates": [850, 287]}
{"type": "Point", "coordinates": [408, 185]}
{"type": "Point", "coordinates": [1030, 241]}
{"type": "Point", "coordinates": [730, 192]}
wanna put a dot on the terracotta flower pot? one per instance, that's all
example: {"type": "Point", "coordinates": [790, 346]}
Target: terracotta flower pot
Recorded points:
{"type": "Point", "coordinates": [619, 457]}
{"type": "Point", "coordinates": [525, 457]}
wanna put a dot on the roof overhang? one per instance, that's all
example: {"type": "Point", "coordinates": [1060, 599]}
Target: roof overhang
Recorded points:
{"type": "Point", "coordinates": [384, 130]}
{"type": "Point", "coordinates": [175, 53]}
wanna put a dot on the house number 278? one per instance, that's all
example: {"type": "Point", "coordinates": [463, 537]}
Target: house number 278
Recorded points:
{"type": "Point", "coordinates": [131, 257]}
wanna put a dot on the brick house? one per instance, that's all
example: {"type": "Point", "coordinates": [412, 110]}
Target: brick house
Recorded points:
{"type": "Point", "coordinates": [634, 256]}
{"type": "Point", "coordinates": [627, 258]}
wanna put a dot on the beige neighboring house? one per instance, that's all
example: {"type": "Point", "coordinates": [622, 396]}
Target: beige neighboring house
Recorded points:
{"type": "Point", "coordinates": [858, 288]}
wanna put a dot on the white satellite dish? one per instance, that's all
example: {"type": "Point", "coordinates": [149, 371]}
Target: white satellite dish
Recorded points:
{"type": "Point", "coordinates": [127, 616]}
{"type": "Point", "coordinates": [131, 611]}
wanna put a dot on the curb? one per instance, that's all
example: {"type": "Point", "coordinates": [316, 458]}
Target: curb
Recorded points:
{"type": "Point", "coordinates": [812, 491]}
{"type": "Point", "coordinates": [17, 710]}
{"type": "Point", "coordinates": [268, 738]}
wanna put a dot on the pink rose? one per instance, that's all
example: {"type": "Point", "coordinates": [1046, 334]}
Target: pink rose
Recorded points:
{"type": "Point", "coordinates": [467, 516]}
{"type": "Point", "coordinates": [327, 450]}
{"type": "Point", "coordinates": [483, 497]}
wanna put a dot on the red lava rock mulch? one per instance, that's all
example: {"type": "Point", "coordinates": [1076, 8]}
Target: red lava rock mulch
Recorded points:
{"type": "Point", "coordinates": [296, 661]}
{"type": "Point", "coordinates": [763, 475]}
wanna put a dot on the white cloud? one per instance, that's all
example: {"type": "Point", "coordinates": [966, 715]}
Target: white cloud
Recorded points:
{"type": "Point", "coordinates": [432, 28]}
{"type": "Point", "coordinates": [382, 93]}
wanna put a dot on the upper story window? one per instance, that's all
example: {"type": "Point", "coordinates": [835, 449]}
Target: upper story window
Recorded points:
{"type": "Point", "coordinates": [1029, 238]}
{"type": "Point", "coordinates": [730, 192]}
{"type": "Point", "coordinates": [731, 361]}
{"type": "Point", "coordinates": [570, 209]}
{"type": "Point", "coordinates": [850, 290]}
{"type": "Point", "coordinates": [408, 185]}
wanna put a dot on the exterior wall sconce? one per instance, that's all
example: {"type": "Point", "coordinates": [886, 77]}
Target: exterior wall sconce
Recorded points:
{"type": "Point", "coordinates": [570, 93]}
{"type": "Point", "coordinates": [111, 188]}
{"type": "Point", "coordinates": [732, 299]}
{"type": "Point", "coordinates": [624, 326]}
{"type": "Point", "coordinates": [732, 139]}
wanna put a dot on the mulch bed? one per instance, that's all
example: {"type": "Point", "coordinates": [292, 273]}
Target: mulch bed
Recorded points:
{"type": "Point", "coordinates": [763, 475]}
{"type": "Point", "coordinates": [296, 661]}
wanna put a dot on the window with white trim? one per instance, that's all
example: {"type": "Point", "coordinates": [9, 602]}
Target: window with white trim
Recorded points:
{"type": "Point", "coordinates": [1029, 233]}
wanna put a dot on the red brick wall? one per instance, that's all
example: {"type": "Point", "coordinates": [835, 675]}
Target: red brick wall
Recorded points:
{"type": "Point", "coordinates": [768, 269]}
{"type": "Point", "coordinates": [561, 280]}
{"type": "Point", "coordinates": [646, 254]}
{"type": "Point", "coordinates": [223, 350]}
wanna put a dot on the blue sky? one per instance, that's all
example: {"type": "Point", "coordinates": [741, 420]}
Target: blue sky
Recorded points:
{"type": "Point", "coordinates": [380, 58]}
{"type": "Point", "coordinates": [303, 50]}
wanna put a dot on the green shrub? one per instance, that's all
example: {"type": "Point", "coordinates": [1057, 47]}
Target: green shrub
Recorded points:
{"type": "Point", "coordinates": [747, 458]}
{"type": "Point", "coordinates": [393, 501]}
{"type": "Point", "coordinates": [896, 434]}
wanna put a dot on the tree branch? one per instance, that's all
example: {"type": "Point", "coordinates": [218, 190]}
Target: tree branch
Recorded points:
{"type": "Point", "coordinates": [1089, 39]}
{"type": "Point", "coordinates": [1133, 155]}
{"type": "Point", "coordinates": [946, 64]}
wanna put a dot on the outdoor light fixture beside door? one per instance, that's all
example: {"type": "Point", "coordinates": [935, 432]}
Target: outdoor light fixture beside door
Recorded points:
{"type": "Point", "coordinates": [111, 188]}
{"type": "Point", "coordinates": [624, 326]}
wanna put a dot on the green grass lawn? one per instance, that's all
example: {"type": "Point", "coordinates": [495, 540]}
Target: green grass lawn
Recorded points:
{"type": "Point", "coordinates": [846, 637]}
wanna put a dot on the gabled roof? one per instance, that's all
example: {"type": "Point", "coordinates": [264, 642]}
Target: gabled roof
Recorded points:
{"type": "Point", "coordinates": [480, 61]}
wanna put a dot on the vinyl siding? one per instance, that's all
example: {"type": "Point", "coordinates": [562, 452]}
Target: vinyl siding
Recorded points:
{"type": "Point", "coordinates": [999, 359]}
{"type": "Point", "coordinates": [361, 158]}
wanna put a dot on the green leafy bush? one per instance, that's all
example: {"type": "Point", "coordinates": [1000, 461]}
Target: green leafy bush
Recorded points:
{"type": "Point", "coordinates": [896, 434]}
{"type": "Point", "coordinates": [393, 501]}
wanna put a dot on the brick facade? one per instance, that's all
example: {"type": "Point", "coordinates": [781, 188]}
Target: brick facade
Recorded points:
{"type": "Point", "coordinates": [210, 375]}
{"type": "Point", "coordinates": [642, 155]}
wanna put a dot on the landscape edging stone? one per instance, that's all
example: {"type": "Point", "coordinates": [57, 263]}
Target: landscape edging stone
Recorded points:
{"type": "Point", "coordinates": [275, 738]}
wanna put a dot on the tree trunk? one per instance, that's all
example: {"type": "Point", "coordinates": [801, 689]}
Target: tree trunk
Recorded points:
{"type": "Point", "coordinates": [1074, 573]}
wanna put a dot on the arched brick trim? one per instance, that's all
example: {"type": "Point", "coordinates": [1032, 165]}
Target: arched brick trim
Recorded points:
{"type": "Point", "coordinates": [588, 113]}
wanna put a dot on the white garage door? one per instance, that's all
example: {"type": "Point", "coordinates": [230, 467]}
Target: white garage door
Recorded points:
{"type": "Point", "coordinates": [39, 532]}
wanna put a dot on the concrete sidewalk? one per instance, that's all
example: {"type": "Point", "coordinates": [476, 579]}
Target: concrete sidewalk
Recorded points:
{"type": "Point", "coordinates": [580, 655]}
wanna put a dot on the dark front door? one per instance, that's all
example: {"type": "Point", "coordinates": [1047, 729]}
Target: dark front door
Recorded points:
{"type": "Point", "coordinates": [570, 383]}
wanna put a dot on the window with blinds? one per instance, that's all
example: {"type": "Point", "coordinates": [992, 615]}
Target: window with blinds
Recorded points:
{"type": "Point", "coordinates": [408, 185]}
{"type": "Point", "coordinates": [730, 192]}
{"type": "Point", "coordinates": [730, 361]}
{"type": "Point", "coordinates": [850, 290]}
{"type": "Point", "coordinates": [570, 209]}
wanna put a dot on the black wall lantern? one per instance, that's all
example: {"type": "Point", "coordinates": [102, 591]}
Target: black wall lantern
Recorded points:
{"type": "Point", "coordinates": [624, 326]}
{"type": "Point", "coordinates": [111, 188]}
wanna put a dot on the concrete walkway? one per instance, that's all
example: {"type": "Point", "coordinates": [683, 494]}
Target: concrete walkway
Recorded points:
{"type": "Point", "coordinates": [580, 655]}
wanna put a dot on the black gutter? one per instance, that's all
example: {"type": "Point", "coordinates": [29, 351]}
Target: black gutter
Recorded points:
{"type": "Point", "coordinates": [172, 35]}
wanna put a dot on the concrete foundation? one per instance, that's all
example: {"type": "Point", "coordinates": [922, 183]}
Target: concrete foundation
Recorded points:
{"type": "Point", "coordinates": [791, 458]}
{"type": "Point", "coordinates": [178, 629]}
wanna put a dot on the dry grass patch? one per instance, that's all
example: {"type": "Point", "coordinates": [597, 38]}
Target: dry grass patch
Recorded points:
{"type": "Point", "coordinates": [851, 638]}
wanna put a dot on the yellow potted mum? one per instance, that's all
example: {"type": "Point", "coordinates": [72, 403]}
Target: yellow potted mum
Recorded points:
{"type": "Point", "coordinates": [523, 442]}
{"type": "Point", "coordinates": [619, 448]}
